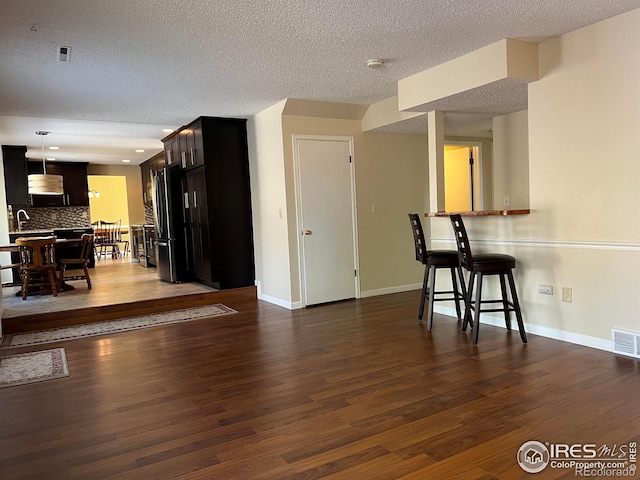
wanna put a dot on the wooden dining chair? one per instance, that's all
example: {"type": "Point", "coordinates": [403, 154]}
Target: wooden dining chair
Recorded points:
{"type": "Point", "coordinates": [83, 260]}
{"type": "Point", "coordinates": [97, 238]}
{"type": "Point", "coordinates": [37, 263]}
{"type": "Point", "coordinates": [434, 260]}
{"type": "Point", "coordinates": [480, 266]}
{"type": "Point", "coordinates": [110, 238]}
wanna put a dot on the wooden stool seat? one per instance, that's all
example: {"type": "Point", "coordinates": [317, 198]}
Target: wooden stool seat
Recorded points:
{"type": "Point", "coordinates": [487, 262]}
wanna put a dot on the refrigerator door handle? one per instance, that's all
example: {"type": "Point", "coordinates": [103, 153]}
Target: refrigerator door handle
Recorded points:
{"type": "Point", "coordinates": [162, 244]}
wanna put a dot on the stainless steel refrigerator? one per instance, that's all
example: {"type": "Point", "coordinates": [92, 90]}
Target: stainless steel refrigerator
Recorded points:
{"type": "Point", "coordinates": [169, 223]}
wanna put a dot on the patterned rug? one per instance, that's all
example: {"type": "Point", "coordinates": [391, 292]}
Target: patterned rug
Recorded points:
{"type": "Point", "coordinates": [33, 367]}
{"type": "Point", "coordinates": [114, 326]}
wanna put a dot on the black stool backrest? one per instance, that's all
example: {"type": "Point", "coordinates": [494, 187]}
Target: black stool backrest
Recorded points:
{"type": "Point", "coordinates": [462, 240]}
{"type": "Point", "coordinates": [418, 238]}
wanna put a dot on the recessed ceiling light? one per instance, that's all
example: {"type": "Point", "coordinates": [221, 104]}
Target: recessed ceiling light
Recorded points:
{"type": "Point", "coordinates": [167, 130]}
{"type": "Point", "coordinates": [139, 150]}
{"type": "Point", "coordinates": [50, 158]}
{"type": "Point", "coordinates": [126, 161]}
{"type": "Point", "coordinates": [54, 148]}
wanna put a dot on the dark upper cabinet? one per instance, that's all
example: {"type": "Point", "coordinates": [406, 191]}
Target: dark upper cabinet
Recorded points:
{"type": "Point", "coordinates": [171, 152]}
{"type": "Point", "coordinates": [15, 174]}
{"type": "Point", "coordinates": [147, 168]}
{"type": "Point", "coordinates": [74, 181]}
{"type": "Point", "coordinates": [217, 201]}
{"type": "Point", "coordinates": [76, 187]}
{"type": "Point", "coordinates": [197, 155]}
{"type": "Point", "coordinates": [186, 146]}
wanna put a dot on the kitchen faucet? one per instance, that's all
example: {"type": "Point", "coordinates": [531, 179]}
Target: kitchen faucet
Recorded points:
{"type": "Point", "coordinates": [21, 223]}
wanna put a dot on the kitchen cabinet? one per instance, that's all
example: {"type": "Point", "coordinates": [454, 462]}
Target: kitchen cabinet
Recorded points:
{"type": "Point", "coordinates": [171, 152]}
{"type": "Point", "coordinates": [217, 202]}
{"type": "Point", "coordinates": [15, 174]}
{"type": "Point", "coordinates": [198, 231]}
{"type": "Point", "coordinates": [185, 147]}
{"type": "Point", "coordinates": [147, 168]}
{"type": "Point", "coordinates": [74, 180]}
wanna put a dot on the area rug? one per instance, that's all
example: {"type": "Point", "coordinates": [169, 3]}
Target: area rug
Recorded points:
{"type": "Point", "coordinates": [33, 367]}
{"type": "Point", "coordinates": [114, 326]}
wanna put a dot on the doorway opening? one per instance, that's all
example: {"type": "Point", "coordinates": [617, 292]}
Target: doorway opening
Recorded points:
{"type": "Point", "coordinates": [108, 202]}
{"type": "Point", "coordinates": [463, 176]}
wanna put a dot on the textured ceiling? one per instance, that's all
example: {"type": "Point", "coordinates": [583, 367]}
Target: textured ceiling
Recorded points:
{"type": "Point", "coordinates": [165, 62]}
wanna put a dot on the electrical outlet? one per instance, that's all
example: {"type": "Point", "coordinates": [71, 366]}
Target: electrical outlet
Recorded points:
{"type": "Point", "coordinates": [545, 289]}
{"type": "Point", "coordinates": [506, 201]}
{"type": "Point", "coordinates": [567, 294]}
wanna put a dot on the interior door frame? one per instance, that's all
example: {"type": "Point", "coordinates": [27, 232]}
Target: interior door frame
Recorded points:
{"type": "Point", "coordinates": [298, 194]}
{"type": "Point", "coordinates": [477, 161]}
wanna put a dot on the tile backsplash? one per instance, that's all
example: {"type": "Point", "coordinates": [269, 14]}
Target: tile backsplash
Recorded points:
{"type": "Point", "coordinates": [54, 217]}
{"type": "Point", "coordinates": [148, 214]}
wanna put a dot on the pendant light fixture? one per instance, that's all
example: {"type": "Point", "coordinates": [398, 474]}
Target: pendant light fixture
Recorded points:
{"type": "Point", "coordinates": [43, 184]}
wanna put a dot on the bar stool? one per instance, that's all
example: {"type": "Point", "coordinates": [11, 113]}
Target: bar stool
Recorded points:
{"type": "Point", "coordinates": [481, 265]}
{"type": "Point", "coordinates": [434, 260]}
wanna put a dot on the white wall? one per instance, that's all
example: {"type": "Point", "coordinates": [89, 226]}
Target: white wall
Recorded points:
{"type": "Point", "coordinates": [133, 179]}
{"type": "Point", "coordinates": [584, 229]}
{"type": "Point", "coordinates": [269, 207]}
{"type": "Point", "coordinates": [511, 160]}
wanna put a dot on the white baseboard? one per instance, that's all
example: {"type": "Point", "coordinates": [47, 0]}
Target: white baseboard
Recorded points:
{"type": "Point", "coordinates": [386, 291]}
{"type": "Point", "coordinates": [275, 300]}
{"type": "Point", "coordinates": [570, 337]}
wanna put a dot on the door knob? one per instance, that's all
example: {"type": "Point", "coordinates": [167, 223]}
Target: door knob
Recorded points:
{"type": "Point", "coordinates": [308, 232]}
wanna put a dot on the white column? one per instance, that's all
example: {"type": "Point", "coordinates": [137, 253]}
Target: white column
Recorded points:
{"type": "Point", "coordinates": [436, 160]}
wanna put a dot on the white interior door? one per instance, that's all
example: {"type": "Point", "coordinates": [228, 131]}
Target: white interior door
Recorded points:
{"type": "Point", "coordinates": [326, 217]}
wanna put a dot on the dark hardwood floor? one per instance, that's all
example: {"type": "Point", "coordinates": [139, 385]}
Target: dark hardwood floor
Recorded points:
{"type": "Point", "coordinates": [352, 390]}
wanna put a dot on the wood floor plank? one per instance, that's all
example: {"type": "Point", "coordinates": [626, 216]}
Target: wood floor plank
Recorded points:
{"type": "Point", "coordinates": [344, 391]}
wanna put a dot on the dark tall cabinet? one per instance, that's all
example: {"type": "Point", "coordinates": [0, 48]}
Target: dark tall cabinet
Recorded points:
{"type": "Point", "coordinates": [216, 199]}
{"type": "Point", "coordinates": [15, 174]}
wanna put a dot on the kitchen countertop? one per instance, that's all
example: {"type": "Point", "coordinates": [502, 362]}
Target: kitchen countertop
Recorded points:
{"type": "Point", "coordinates": [46, 230]}
{"type": "Point", "coordinates": [31, 231]}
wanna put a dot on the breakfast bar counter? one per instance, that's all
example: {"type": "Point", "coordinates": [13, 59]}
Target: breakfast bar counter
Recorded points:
{"type": "Point", "coordinates": [481, 213]}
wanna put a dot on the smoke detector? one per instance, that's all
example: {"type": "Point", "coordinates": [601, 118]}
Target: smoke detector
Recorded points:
{"type": "Point", "coordinates": [374, 63]}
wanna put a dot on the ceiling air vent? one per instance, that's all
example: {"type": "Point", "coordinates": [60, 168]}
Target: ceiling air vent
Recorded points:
{"type": "Point", "coordinates": [626, 343]}
{"type": "Point", "coordinates": [64, 54]}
